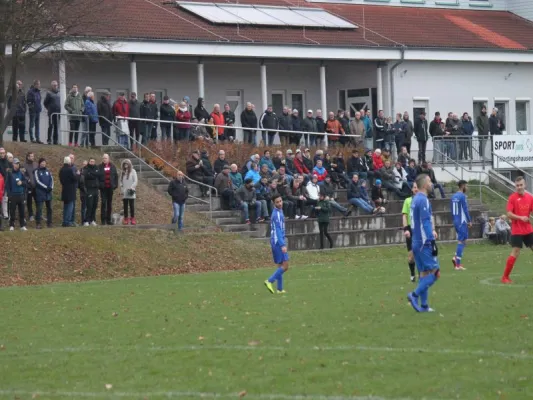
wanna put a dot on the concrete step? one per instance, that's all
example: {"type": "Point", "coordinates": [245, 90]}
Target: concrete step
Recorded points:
{"type": "Point", "coordinates": [373, 237]}
{"type": "Point", "coordinates": [120, 155]}
{"type": "Point", "coordinates": [221, 213]}
{"type": "Point", "coordinates": [236, 228]}
{"type": "Point", "coordinates": [233, 220]}
{"type": "Point", "coordinates": [146, 173]}
{"type": "Point", "coordinates": [158, 181]}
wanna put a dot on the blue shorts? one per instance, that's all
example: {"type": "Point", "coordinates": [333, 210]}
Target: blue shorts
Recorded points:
{"type": "Point", "coordinates": [424, 259]}
{"type": "Point", "coordinates": [279, 256]}
{"type": "Point", "coordinates": [462, 232]}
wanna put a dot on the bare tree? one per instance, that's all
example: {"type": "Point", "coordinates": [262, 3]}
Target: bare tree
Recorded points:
{"type": "Point", "coordinates": [32, 28]}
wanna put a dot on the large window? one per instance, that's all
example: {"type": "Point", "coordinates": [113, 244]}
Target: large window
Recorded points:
{"type": "Point", "coordinates": [522, 116]}
{"type": "Point", "coordinates": [278, 101]}
{"type": "Point", "coordinates": [298, 102]}
{"type": "Point", "coordinates": [503, 113]}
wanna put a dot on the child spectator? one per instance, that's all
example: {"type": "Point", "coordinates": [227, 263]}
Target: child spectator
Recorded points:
{"type": "Point", "coordinates": [324, 212]}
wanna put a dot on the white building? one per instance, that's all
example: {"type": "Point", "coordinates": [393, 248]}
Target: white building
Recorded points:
{"type": "Point", "coordinates": [396, 55]}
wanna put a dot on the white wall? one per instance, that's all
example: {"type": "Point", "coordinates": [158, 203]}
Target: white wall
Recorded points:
{"type": "Point", "coordinates": [463, 4]}
{"type": "Point", "coordinates": [524, 8]}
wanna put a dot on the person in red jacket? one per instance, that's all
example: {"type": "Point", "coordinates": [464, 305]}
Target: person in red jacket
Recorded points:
{"type": "Point", "coordinates": [121, 109]}
{"type": "Point", "coordinates": [183, 114]}
{"type": "Point", "coordinates": [320, 172]}
{"type": "Point", "coordinates": [377, 160]}
{"type": "Point", "coordinates": [299, 165]}
{"type": "Point", "coordinates": [218, 121]}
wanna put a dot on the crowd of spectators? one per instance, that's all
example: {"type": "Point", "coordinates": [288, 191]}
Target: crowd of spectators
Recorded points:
{"type": "Point", "coordinates": [30, 183]}
{"type": "Point", "coordinates": [498, 230]}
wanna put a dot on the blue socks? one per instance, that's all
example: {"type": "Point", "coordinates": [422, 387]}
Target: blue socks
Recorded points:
{"type": "Point", "coordinates": [459, 251]}
{"type": "Point", "coordinates": [277, 276]}
{"type": "Point", "coordinates": [422, 289]}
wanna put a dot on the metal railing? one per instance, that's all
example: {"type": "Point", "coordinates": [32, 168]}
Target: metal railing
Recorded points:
{"type": "Point", "coordinates": [528, 177]}
{"type": "Point", "coordinates": [142, 148]}
{"type": "Point", "coordinates": [462, 149]}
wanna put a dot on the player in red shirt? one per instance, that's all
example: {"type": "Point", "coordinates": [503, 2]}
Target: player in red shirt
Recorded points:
{"type": "Point", "coordinates": [519, 208]}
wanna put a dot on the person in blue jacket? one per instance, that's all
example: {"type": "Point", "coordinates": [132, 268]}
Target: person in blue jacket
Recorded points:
{"type": "Point", "coordinates": [253, 173]}
{"type": "Point", "coordinates": [465, 144]}
{"type": "Point", "coordinates": [35, 106]}
{"type": "Point", "coordinates": [268, 161]}
{"type": "Point", "coordinates": [44, 184]}
{"type": "Point", "coordinates": [92, 115]}
{"type": "Point", "coordinates": [16, 192]}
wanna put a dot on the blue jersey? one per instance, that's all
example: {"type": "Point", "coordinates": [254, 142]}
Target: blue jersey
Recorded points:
{"type": "Point", "coordinates": [460, 213]}
{"type": "Point", "coordinates": [421, 224]}
{"type": "Point", "coordinates": [277, 228]}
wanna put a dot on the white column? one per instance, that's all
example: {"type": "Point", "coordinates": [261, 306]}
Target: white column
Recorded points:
{"type": "Point", "coordinates": [63, 122]}
{"type": "Point", "coordinates": [201, 79]}
{"type": "Point", "coordinates": [264, 94]}
{"type": "Point", "coordinates": [379, 88]}
{"type": "Point", "coordinates": [133, 77]}
{"type": "Point", "coordinates": [323, 97]}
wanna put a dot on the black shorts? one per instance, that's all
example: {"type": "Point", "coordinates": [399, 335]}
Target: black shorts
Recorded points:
{"type": "Point", "coordinates": [518, 241]}
{"type": "Point", "coordinates": [409, 241]}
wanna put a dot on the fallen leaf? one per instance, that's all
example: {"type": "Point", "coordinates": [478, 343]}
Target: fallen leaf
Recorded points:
{"type": "Point", "coordinates": [148, 335]}
{"type": "Point", "coordinates": [115, 314]}
{"type": "Point", "coordinates": [242, 394]}
{"type": "Point", "coordinates": [253, 343]}
{"type": "Point", "coordinates": [200, 338]}
{"type": "Point", "coordinates": [108, 386]}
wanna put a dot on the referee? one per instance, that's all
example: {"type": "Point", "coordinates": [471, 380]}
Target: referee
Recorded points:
{"type": "Point", "coordinates": [406, 219]}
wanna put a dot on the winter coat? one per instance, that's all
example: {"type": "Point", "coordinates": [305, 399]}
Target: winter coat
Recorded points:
{"type": "Point", "coordinates": [253, 175]}
{"type": "Point", "coordinates": [104, 111]}
{"type": "Point", "coordinates": [324, 212]}
{"type": "Point", "coordinates": [219, 164]}
{"type": "Point", "coordinates": [207, 166]}
{"type": "Point", "coordinates": [223, 182]}
{"type": "Point", "coordinates": [229, 120]}
{"type": "Point", "coordinates": [128, 184]}
{"type": "Point", "coordinates": [409, 129]}
{"type": "Point", "coordinates": [183, 116]}
{"type": "Point", "coordinates": [357, 127]}
{"type": "Point", "coordinates": [11, 187]}
{"type": "Point", "coordinates": [387, 174]}
{"type": "Point", "coordinates": [400, 133]}
{"type": "Point", "coordinates": [353, 191]}
{"type": "Point", "coordinates": [356, 164]}
{"type": "Point", "coordinates": [135, 108]}
{"type": "Point", "coordinates": [369, 131]}
{"type": "Point", "coordinates": [20, 110]}
{"type": "Point", "coordinates": [379, 128]}
{"type": "Point", "coordinates": [399, 177]}
{"type": "Point", "coordinates": [91, 111]}
{"type": "Point", "coordinates": [467, 128]}
{"type": "Point", "coordinates": [121, 109]}
{"type": "Point", "coordinates": [321, 173]}
{"type": "Point", "coordinates": [69, 183]}
{"type": "Point", "coordinates": [29, 168]}
{"type": "Point", "coordinates": [453, 126]}
{"type": "Point", "coordinates": [248, 119]}
{"type": "Point", "coordinates": [482, 125]}
{"type": "Point", "coordinates": [167, 112]}
{"type": "Point", "coordinates": [309, 125]}
{"type": "Point", "coordinates": [434, 127]}
{"type": "Point", "coordinates": [493, 125]}
{"type": "Point", "coordinates": [200, 112]}
{"type": "Point", "coordinates": [236, 180]}
{"type": "Point", "coordinates": [320, 125]}
{"type": "Point", "coordinates": [246, 195]}
{"type": "Point", "coordinates": [334, 129]}
{"type": "Point", "coordinates": [91, 177]}
{"type": "Point", "coordinates": [52, 102]}
{"type": "Point", "coordinates": [296, 124]}
{"type": "Point", "coordinates": [113, 177]}
{"type": "Point", "coordinates": [300, 166]}
{"type": "Point", "coordinates": [147, 110]}
{"type": "Point", "coordinates": [327, 189]}
{"type": "Point", "coordinates": [44, 184]}
{"type": "Point", "coordinates": [421, 130]}
{"type": "Point", "coordinates": [179, 191]}
{"type": "Point", "coordinates": [377, 193]}
{"type": "Point", "coordinates": [411, 174]}
{"type": "Point", "coordinates": [269, 121]}
{"type": "Point", "coordinates": [289, 165]}
{"type": "Point", "coordinates": [194, 173]}
{"type": "Point", "coordinates": [268, 162]}
{"type": "Point", "coordinates": [218, 121]}
{"type": "Point", "coordinates": [285, 122]}
{"type": "Point", "coordinates": [33, 99]}
{"type": "Point", "coordinates": [74, 105]}
{"type": "Point", "coordinates": [377, 162]}
{"type": "Point", "coordinates": [345, 123]}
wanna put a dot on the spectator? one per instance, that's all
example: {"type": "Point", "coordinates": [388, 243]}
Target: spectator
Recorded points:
{"type": "Point", "coordinates": [320, 128]}
{"type": "Point", "coordinates": [319, 155]}
{"type": "Point", "coordinates": [196, 171]}
{"type": "Point", "coordinates": [187, 101]}
{"type": "Point", "coordinates": [84, 121]}
{"type": "Point", "coordinates": [265, 160]}
{"type": "Point", "coordinates": [28, 169]}
{"type": "Point", "coordinates": [253, 174]}
{"type": "Point", "coordinates": [285, 124]}
{"type": "Point", "coordinates": [482, 126]}
{"type": "Point", "coordinates": [69, 184]}
{"type": "Point", "coordinates": [385, 155]}
{"type": "Point", "coordinates": [388, 178]}
{"type": "Point", "coordinates": [5, 166]}
{"type": "Point", "coordinates": [369, 131]}
{"type": "Point", "coordinates": [299, 165]}
{"type": "Point", "coordinates": [44, 185]}
{"type": "Point", "coordinates": [74, 106]}
{"type": "Point", "coordinates": [108, 184]}
{"type": "Point", "coordinates": [308, 161]}
{"type": "Point", "coordinates": [289, 162]}
{"type": "Point", "coordinates": [324, 212]}
{"type": "Point", "coordinates": [19, 119]}
{"type": "Point", "coordinates": [289, 204]}
{"type": "Point", "coordinates": [411, 172]}
{"type": "Point", "coordinates": [265, 172]}
{"type": "Point", "coordinates": [380, 129]}
{"type": "Point", "coordinates": [183, 115]}
{"type": "Point", "coordinates": [134, 126]}
{"type": "Point", "coordinates": [15, 187]}
{"type": "Point", "coordinates": [357, 127]}
{"type": "Point", "coordinates": [179, 191]}
{"type": "Point", "coordinates": [296, 121]}
{"type": "Point", "coordinates": [209, 173]}
{"type": "Point", "coordinates": [77, 173]}
{"type": "Point", "coordinates": [92, 177]}
{"type": "Point", "coordinates": [465, 152]}
{"type": "Point", "coordinates": [338, 166]}
{"type": "Point", "coordinates": [224, 186]}
{"type": "Point", "coordinates": [92, 115]}
{"type": "Point", "coordinates": [52, 103]}
{"type": "Point", "coordinates": [327, 164]}
{"type": "Point", "coordinates": [409, 131]}
{"type": "Point", "coordinates": [401, 182]}
{"type": "Point", "coordinates": [105, 116]}
{"type": "Point", "coordinates": [390, 139]}
{"type": "Point", "coordinates": [344, 119]}
{"type": "Point", "coordinates": [427, 168]}
{"type": "Point", "coordinates": [262, 192]}
{"type": "Point", "coordinates": [248, 198]}
{"type": "Point", "coordinates": [147, 112]}
{"type": "Point", "coordinates": [167, 113]}
{"type": "Point", "coordinates": [490, 231]}
{"type": "Point", "coordinates": [437, 134]}
{"type": "Point", "coordinates": [333, 129]}
{"type": "Point", "coordinates": [364, 197]}
{"type": "Point", "coordinates": [229, 120]}
{"type": "Point", "coordinates": [357, 165]}
{"type": "Point", "coordinates": [236, 177]}
{"type": "Point", "coordinates": [83, 194]}
{"type": "Point", "coordinates": [453, 126]}
{"type": "Point", "coordinates": [33, 99]}
{"type": "Point", "coordinates": [496, 125]}
{"type": "Point", "coordinates": [269, 124]}
{"type": "Point", "coordinates": [309, 125]}
{"type": "Point", "coordinates": [311, 192]}
{"type": "Point", "coordinates": [200, 112]}
{"type": "Point", "coordinates": [404, 157]}
{"type": "Point", "coordinates": [503, 230]}
{"type": "Point", "coordinates": [296, 195]}
{"type": "Point", "coordinates": [328, 190]}
{"type": "Point", "coordinates": [399, 127]}
{"type": "Point", "coordinates": [199, 132]}
{"type": "Point", "coordinates": [128, 189]}
{"type": "Point", "coordinates": [354, 196]}
{"type": "Point", "coordinates": [377, 195]}
{"type": "Point", "coordinates": [248, 120]}
{"type": "Point", "coordinates": [220, 162]}
{"type": "Point", "coordinates": [2, 195]}
{"type": "Point", "coordinates": [422, 136]}
{"type": "Point", "coordinates": [377, 160]}
{"type": "Point", "coordinates": [154, 110]}
{"type": "Point", "coordinates": [218, 121]}
{"type": "Point", "coordinates": [320, 172]}
{"type": "Point", "coordinates": [278, 160]}
{"type": "Point", "coordinates": [282, 176]}
{"type": "Point", "coordinates": [246, 167]}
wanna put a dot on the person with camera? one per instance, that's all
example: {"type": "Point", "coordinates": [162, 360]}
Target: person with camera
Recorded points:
{"type": "Point", "coordinates": [128, 187]}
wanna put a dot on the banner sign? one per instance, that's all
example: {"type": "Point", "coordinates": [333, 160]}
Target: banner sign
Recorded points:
{"type": "Point", "coordinates": [516, 149]}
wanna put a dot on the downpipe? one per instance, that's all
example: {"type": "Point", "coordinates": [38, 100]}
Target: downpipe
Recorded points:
{"type": "Point", "coordinates": [391, 78]}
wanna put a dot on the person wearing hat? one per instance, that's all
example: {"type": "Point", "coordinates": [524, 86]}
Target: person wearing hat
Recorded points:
{"type": "Point", "coordinates": [296, 121]}
{"type": "Point", "coordinates": [269, 123]}
{"type": "Point", "coordinates": [377, 194]}
{"type": "Point", "coordinates": [224, 187]}
{"type": "Point", "coordinates": [422, 135]}
{"type": "Point", "coordinates": [69, 184]}
{"type": "Point", "coordinates": [289, 162]}
{"type": "Point", "coordinates": [196, 170]}
{"type": "Point", "coordinates": [248, 198]}
{"type": "Point", "coordinates": [309, 125]}
{"type": "Point", "coordinates": [167, 113]}
{"type": "Point", "coordinates": [16, 191]}
{"type": "Point", "coordinates": [44, 184]}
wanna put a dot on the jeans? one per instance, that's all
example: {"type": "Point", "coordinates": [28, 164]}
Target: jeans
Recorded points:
{"type": "Point", "coordinates": [391, 146]}
{"type": "Point", "coordinates": [73, 215]}
{"type": "Point", "coordinates": [165, 130]}
{"type": "Point", "coordinates": [465, 152]}
{"type": "Point", "coordinates": [35, 122]}
{"type": "Point", "coordinates": [92, 134]}
{"type": "Point", "coordinates": [245, 209]}
{"type": "Point", "coordinates": [146, 131]}
{"type": "Point", "coordinates": [68, 211]}
{"type": "Point", "coordinates": [39, 215]}
{"type": "Point", "coordinates": [440, 188]}
{"type": "Point", "coordinates": [179, 210]}
{"type": "Point", "coordinates": [438, 150]}
{"type": "Point", "coordinates": [360, 203]}
{"type": "Point", "coordinates": [53, 128]}
{"type": "Point", "coordinates": [270, 137]}
{"type": "Point", "coordinates": [84, 132]}
{"type": "Point", "coordinates": [337, 206]}
{"type": "Point", "coordinates": [182, 134]}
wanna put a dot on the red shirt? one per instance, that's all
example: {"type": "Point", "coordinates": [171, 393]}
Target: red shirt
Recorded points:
{"type": "Point", "coordinates": [523, 207]}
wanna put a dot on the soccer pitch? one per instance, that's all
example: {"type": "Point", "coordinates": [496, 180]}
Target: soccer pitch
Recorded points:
{"type": "Point", "coordinates": [343, 331]}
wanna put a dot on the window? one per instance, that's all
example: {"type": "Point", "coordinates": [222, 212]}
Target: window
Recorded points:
{"type": "Point", "coordinates": [159, 94]}
{"type": "Point", "coordinates": [476, 109]}
{"type": "Point", "coordinates": [358, 92]}
{"type": "Point", "coordinates": [342, 100]}
{"type": "Point", "coordinates": [480, 3]}
{"type": "Point", "coordinates": [503, 112]}
{"type": "Point", "coordinates": [278, 101]}
{"type": "Point", "coordinates": [522, 116]}
{"type": "Point", "coordinates": [298, 102]}
{"type": "Point", "coordinates": [420, 106]}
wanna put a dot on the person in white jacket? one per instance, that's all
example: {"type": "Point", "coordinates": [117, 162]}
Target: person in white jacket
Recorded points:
{"type": "Point", "coordinates": [400, 178]}
{"type": "Point", "coordinates": [503, 230]}
{"type": "Point", "coordinates": [312, 192]}
{"type": "Point", "coordinates": [128, 188]}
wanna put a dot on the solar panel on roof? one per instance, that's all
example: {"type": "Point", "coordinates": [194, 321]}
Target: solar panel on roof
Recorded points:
{"type": "Point", "coordinates": [245, 14]}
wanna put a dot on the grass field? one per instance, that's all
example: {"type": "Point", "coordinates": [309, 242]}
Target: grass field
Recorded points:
{"type": "Point", "coordinates": [343, 331]}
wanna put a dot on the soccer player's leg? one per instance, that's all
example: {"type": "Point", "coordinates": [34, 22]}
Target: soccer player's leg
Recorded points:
{"type": "Point", "coordinates": [410, 258]}
{"type": "Point", "coordinates": [281, 259]}
{"type": "Point", "coordinates": [462, 236]}
{"type": "Point", "coordinates": [413, 297]}
{"type": "Point", "coordinates": [517, 242]}
{"type": "Point", "coordinates": [428, 267]}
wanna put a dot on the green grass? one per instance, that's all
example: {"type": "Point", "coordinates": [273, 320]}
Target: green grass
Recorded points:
{"type": "Point", "coordinates": [343, 329]}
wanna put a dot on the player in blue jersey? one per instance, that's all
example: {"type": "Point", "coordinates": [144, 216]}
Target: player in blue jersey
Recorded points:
{"type": "Point", "coordinates": [424, 247]}
{"type": "Point", "coordinates": [278, 245]}
{"type": "Point", "coordinates": [461, 221]}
